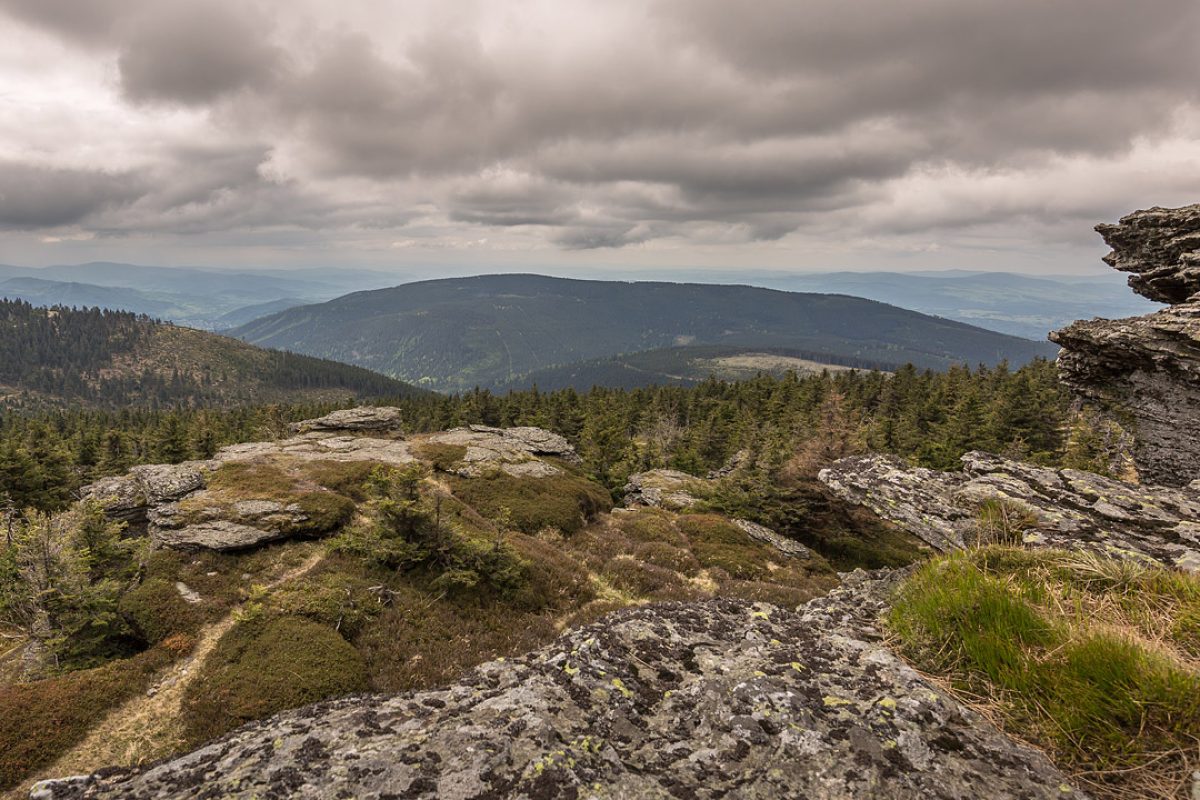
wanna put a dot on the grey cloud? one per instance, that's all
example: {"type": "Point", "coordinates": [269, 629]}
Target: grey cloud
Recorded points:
{"type": "Point", "coordinates": [194, 53]}
{"type": "Point", "coordinates": [33, 197]}
{"type": "Point", "coordinates": [702, 120]}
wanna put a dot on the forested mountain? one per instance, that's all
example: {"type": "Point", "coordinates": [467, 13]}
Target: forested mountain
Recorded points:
{"type": "Point", "coordinates": [110, 358]}
{"type": "Point", "coordinates": [490, 330]}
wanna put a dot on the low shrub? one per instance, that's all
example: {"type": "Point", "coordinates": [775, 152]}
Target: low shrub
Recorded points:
{"type": "Point", "coordinates": [267, 665]}
{"type": "Point", "coordinates": [44, 719]}
{"type": "Point", "coordinates": [155, 610]}
{"type": "Point", "coordinates": [718, 543]}
{"type": "Point", "coordinates": [348, 478]}
{"type": "Point", "coordinates": [326, 511]}
{"type": "Point", "coordinates": [442, 456]}
{"type": "Point", "coordinates": [565, 501]}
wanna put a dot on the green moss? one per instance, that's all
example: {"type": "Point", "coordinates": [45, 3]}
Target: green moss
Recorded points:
{"type": "Point", "coordinates": [155, 610]}
{"type": "Point", "coordinates": [564, 501]}
{"type": "Point", "coordinates": [326, 511]}
{"type": "Point", "coordinates": [718, 544]}
{"type": "Point", "coordinates": [348, 478]}
{"type": "Point", "coordinates": [442, 456]}
{"type": "Point", "coordinates": [44, 719]}
{"type": "Point", "coordinates": [337, 594]}
{"type": "Point", "coordinates": [552, 579]}
{"type": "Point", "coordinates": [264, 666]}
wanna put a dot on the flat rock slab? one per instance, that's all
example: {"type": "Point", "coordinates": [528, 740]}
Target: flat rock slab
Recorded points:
{"type": "Point", "coordinates": [1072, 509]}
{"type": "Point", "coordinates": [679, 700]}
{"type": "Point", "coordinates": [363, 418]}
{"type": "Point", "coordinates": [516, 451]}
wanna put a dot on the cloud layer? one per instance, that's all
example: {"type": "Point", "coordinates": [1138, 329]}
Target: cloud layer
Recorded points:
{"type": "Point", "coordinates": [675, 126]}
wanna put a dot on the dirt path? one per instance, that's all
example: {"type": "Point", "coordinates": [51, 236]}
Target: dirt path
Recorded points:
{"type": "Point", "coordinates": [147, 726]}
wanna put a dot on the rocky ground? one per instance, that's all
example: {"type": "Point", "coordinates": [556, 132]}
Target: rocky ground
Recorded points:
{"type": "Point", "coordinates": [704, 700]}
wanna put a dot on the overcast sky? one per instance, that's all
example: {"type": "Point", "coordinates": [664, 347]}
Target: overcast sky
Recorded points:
{"type": "Point", "coordinates": [805, 134]}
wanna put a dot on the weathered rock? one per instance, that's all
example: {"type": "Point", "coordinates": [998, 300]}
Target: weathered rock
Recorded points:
{"type": "Point", "coordinates": [788, 547]}
{"type": "Point", "coordinates": [716, 699]}
{"type": "Point", "coordinates": [516, 451]}
{"type": "Point", "coordinates": [1071, 509]}
{"type": "Point", "coordinates": [323, 447]}
{"type": "Point", "coordinates": [217, 534]}
{"type": "Point", "coordinates": [1161, 247]}
{"type": "Point", "coordinates": [243, 524]}
{"type": "Point", "coordinates": [661, 488]}
{"type": "Point", "coordinates": [363, 419]}
{"type": "Point", "coordinates": [1145, 370]}
{"type": "Point", "coordinates": [129, 496]}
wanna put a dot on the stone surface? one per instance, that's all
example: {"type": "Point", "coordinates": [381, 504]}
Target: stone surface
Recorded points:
{"type": "Point", "coordinates": [516, 451]}
{"type": "Point", "coordinates": [1161, 247]}
{"type": "Point", "coordinates": [702, 700]}
{"type": "Point", "coordinates": [1072, 509]}
{"type": "Point", "coordinates": [129, 496]}
{"type": "Point", "coordinates": [362, 419]}
{"type": "Point", "coordinates": [323, 447]}
{"type": "Point", "coordinates": [240, 525]}
{"type": "Point", "coordinates": [788, 547]}
{"type": "Point", "coordinates": [1144, 372]}
{"type": "Point", "coordinates": [661, 488]}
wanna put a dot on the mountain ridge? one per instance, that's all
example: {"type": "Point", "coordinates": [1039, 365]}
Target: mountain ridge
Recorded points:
{"type": "Point", "coordinates": [457, 333]}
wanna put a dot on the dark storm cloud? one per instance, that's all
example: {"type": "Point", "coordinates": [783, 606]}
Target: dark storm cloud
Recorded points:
{"type": "Point", "coordinates": [697, 118]}
{"type": "Point", "coordinates": [33, 197]}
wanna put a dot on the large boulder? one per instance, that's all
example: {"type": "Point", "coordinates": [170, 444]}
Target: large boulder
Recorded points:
{"type": "Point", "coordinates": [716, 699]}
{"type": "Point", "coordinates": [517, 451]}
{"type": "Point", "coordinates": [1145, 371]}
{"type": "Point", "coordinates": [130, 496]}
{"type": "Point", "coordinates": [365, 419]}
{"type": "Point", "coordinates": [662, 488]}
{"type": "Point", "coordinates": [1066, 508]}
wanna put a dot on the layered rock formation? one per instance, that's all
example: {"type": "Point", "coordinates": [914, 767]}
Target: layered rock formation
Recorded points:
{"type": "Point", "coordinates": [717, 699]}
{"type": "Point", "coordinates": [1145, 371]}
{"type": "Point", "coordinates": [179, 510]}
{"type": "Point", "coordinates": [1061, 508]}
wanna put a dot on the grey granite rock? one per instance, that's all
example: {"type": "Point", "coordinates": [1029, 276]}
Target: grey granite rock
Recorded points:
{"type": "Point", "coordinates": [1071, 509]}
{"type": "Point", "coordinates": [129, 496]}
{"type": "Point", "coordinates": [662, 488]}
{"type": "Point", "coordinates": [516, 451]}
{"type": "Point", "coordinates": [1161, 247]}
{"type": "Point", "coordinates": [701, 700]}
{"type": "Point", "coordinates": [1144, 372]}
{"type": "Point", "coordinates": [788, 547]}
{"type": "Point", "coordinates": [375, 419]}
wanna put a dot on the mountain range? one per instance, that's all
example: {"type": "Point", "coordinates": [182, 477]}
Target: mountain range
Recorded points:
{"type": "Point", "coordinates": [494, 330]}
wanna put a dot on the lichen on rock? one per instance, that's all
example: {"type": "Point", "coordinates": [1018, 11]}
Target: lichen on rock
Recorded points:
{"type": "Point", "coordinates": [720, 698]}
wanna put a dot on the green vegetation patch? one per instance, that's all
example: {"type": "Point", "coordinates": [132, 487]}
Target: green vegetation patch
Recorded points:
{"type": "Point", "coordinates": [441, 455]}
{"type": "Point", "coordinates": [565, 501]}
{"type": "Point", "coordinates": [1081, 653]}
{"type": "Point", "coordinates": [155, 610]}
{"type": "Point", "coordinates": [264, 666]}
{"type": "Point", "coordinates": [44, 719]}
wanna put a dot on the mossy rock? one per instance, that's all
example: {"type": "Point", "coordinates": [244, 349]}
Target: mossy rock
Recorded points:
{"type": "Point", "coordinates": [441, 455]}
{"type": "Point", "coordinates": [155, 610]}
{"type": "Point", "coordinates": [268, 665]}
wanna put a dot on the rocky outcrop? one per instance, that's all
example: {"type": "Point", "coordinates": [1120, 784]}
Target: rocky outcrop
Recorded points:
{"type": "Point", "coordinates": [178, 509]}
{"type": "Point", "coordinates": [373, 419]}
{"type": "Point", "coordinates": [1145, 371]}
{"type": "Point", "coordinates": [128, 497]}
{"type": "Point", "coordinates": [788, 547]}
{"type": "Point", "coordinates": [1066, 508]}
{"type": "Point", "coordinates": [517, 451]}
{"type": "Point", "coordinates": [716, 699]}
{"type": "Point", "coordinates": [1161, 247]}
{"type": "Point", "coordinates": [661, 488]}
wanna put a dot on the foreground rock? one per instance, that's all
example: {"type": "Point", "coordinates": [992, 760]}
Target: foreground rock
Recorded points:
{"type": "Point", "coordinates": [1146, 370]}
{"type": "Point", "coordinates": [1069, 509]}
{"type": "Point", "coordinates": [716, 699]}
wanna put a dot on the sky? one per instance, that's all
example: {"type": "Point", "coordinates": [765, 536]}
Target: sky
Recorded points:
{"type": "Point", "coordinates": [605, 135]}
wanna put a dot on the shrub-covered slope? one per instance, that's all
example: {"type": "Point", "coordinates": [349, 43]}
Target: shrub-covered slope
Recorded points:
{"type": "Point", "coordinates": [111, 358]}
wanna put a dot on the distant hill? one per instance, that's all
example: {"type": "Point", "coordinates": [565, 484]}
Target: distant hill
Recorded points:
{"type": "Point", "coordinates": [489, 330]}
{"type": "Point", "coordinates": [1023, 305]}
{"type": "Point", "coordinates": [113, 359]}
